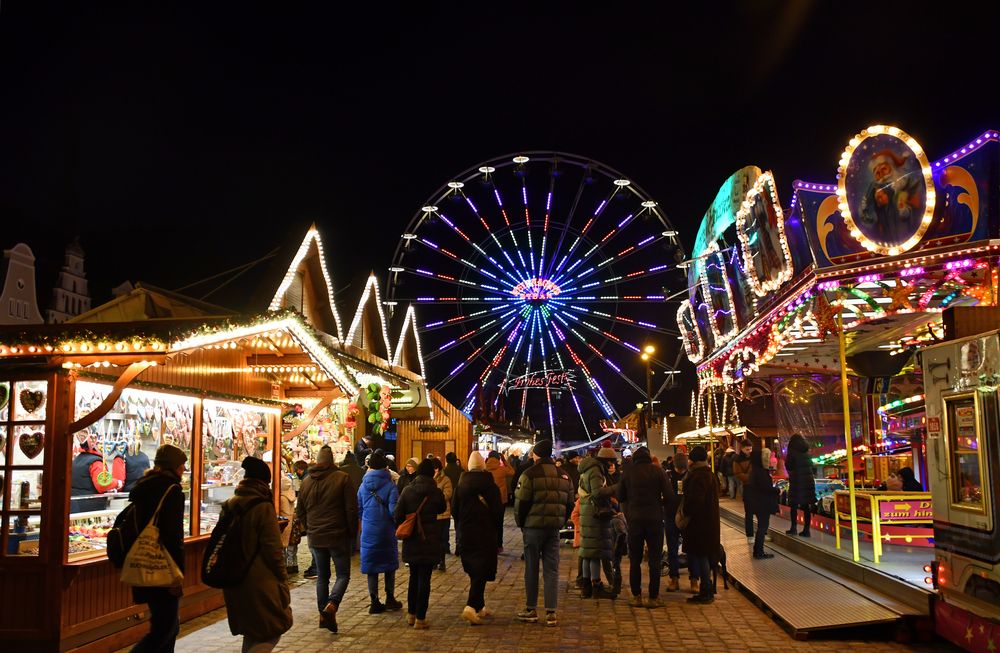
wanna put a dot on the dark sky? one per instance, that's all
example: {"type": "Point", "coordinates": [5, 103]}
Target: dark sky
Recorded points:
{"type": "Point", "coordinates": [180, 142]}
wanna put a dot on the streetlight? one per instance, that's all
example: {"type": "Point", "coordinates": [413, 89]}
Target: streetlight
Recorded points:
{"type": "Point", "coordinates": [646, 356]}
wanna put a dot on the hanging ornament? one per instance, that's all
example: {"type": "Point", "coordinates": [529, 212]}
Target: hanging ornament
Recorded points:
{"type": "Point", "coordinates": [31, 443]}
{"type": "Point", "coordinates": [825, 316]}
{"type": "Point", "coordinates": [31, 400]}
{"type": "Point", "coordinates": [900, 295]}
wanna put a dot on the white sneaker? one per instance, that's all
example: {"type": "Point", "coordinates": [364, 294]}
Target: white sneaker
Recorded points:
{"type": "Point", "coordinates": [750, 540]}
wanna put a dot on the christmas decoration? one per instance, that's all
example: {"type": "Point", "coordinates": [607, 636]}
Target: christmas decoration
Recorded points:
{"type": "Point", "coordinates": [31, 443]}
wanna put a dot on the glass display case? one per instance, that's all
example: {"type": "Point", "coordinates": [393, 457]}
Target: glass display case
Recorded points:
{"type": "Point", "coordinates": [23, 407]}
{"type": "Point", "coordinates": [230, 432]}
{"type": "Point", "coordinates": [110, 456]}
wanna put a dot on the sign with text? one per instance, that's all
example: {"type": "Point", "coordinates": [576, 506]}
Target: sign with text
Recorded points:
{"type": "Point", "coordinates": [551, 380]}
{"type": "Point", "coordinates": [913, 509]}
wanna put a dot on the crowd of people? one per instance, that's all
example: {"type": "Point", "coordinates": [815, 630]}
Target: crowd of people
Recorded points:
{"type": "Point", "coordinates": [636, 506]}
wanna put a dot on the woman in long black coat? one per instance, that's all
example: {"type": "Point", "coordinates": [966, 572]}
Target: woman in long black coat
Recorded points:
{"type": "Point", "coordinates": [761, 498]}
{"type": "Point", "coordinates": [801, 485]}
{"type": "Point", "coordinates": [422, 550]}
{"type": "Point", "coordinates": [476, 506]}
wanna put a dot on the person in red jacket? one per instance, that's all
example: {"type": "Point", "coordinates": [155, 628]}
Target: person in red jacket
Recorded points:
{"type": "Point", "coordinates": [93, 474]}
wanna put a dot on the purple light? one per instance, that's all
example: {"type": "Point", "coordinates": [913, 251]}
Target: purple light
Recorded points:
{"type": "Point", "coordinates": [869, 278]}
{"type": "Point", "coordinates": [655, 296]}
{"type": "Point", "coordinates": [658, 268]}
{"type": "Point", "coordinates": [496, 194]}
{"type": "Point", "coordinates": [910, 272]}
{"type": "Point", "coordinates": [829, 285]}
{"type": "Point", "coordinates": [622, 223]}
{"type": "Point", "coordinates": [446, 345]}
{"type": "Point", "coordinates": [434, 324]}
{"type": "Point", "coordinates": [646, 324]}
{"type": "Point", "coordinates": [959, 265]}
{"type": "Point", "coordinates": [600, 207]}
{"type": "Point", "coordinates": [524, 194]}
{"type": "Point", "coordinates": [429, 243]}
{"type": "Point", "coordinates": [548, 202]}
{"type": "Point", "coordinates": [425, 299]}
{"type": "Point", "coordinates": [430, 274]}
{"type": "Point", "coordinates": [471, 205]}
{"type": "Point", "coordinates": [644, 241]}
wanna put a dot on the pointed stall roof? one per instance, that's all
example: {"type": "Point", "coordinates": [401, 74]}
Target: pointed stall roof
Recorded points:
{"type": "Point", "coordinates": [307, 287]}
{"type": "Point", "coordinates": [408, 351]}
{"type": "Point", "coordinates": [362, 333]}
{"type": "Point", "coordinates": [146, 302]}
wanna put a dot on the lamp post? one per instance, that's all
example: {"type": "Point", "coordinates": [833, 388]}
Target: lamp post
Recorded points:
{"type": "Point", "coordinates": [646, 356]}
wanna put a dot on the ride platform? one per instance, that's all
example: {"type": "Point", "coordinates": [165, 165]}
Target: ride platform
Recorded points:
{"type": "Point", "coordinates": [805, 597]}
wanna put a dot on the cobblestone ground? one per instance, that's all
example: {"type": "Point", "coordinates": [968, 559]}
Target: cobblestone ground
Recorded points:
{"type": "Point", "coordinates": [733, 623]}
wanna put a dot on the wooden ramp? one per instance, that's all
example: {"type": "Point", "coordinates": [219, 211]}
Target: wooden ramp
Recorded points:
{"type": "Point", "coordinates": [803, 599]}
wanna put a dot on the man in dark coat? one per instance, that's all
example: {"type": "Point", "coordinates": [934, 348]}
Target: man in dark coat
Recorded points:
{"type": "Point", "coordinates": [453, 470]}
{"type": "Point", "coordinates": [741, 472]}
{"type": "Point", "coordinates": [801, 485]}
{"type": "Point", "coordinates": [328, 509]}
{"type": "Point", "coordinates": [646, 493]}
{"type": "Point", "coordinates": [162, 483]}
{"type": "Point", "coordinates": [542, 503]}
{"type": "Point", "coordinates": [353, 470]}
{"type": "Point", "coordinates": [701, 536]}
{"type": "Point", "coordinates": [422, 550]}
{"type": "Point", "coordinates": [475, 507]}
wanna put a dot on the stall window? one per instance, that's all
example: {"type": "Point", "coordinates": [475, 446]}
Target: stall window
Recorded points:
{"type": "Point", "coordinates": [965, 458]}
{"type": "Point", "coordinates": [110, 456]}
{"type": "Point", "coordinates": [230, 432]}
{"type": "Point", "coordinates": [22, 457]}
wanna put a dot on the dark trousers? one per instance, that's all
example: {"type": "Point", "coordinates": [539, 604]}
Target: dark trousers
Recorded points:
{"type": "Point", "coordinates": [390, 586]}
{"type": "Point", "coordinates": [702, 569]}
{"type": "Point", "coordinates": [747, 519]}
{"type": "Point", "coordinates": [650, 534]}
{"type": "Point", "coordinates": [445, 526]}
{"type": "Point", "coordinates": [763, 519]}
{"type": "Point", "coordinates": [477, 593]}
{"type": "Point", "coordinates": [499, 527]}
{"type": "Point", "coordinates": [418, 596]}
{"type": "Point", "coordinates": [458, 537]}
{"type": "Point", "coordinates": [806, 516]}
{"type": "Point", "coordinates": [163, 625]}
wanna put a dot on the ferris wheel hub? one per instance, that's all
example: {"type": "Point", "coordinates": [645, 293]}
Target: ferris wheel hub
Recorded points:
{"type": "Point", "coordinates": [536, 291]}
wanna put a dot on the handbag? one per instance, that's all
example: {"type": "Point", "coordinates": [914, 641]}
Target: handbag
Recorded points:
{"type": "Point", "coordinates": [680, 519]}
{"type": "Point", "coordinates": [148, 563]}
{"type": "Point", "coordinates": [405, 529]}
{"type": "Point", "coordinates": [295, 536]}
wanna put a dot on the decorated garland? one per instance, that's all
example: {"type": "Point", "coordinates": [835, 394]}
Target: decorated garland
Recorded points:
{"type": "Point", "coordinates": [379, 400]}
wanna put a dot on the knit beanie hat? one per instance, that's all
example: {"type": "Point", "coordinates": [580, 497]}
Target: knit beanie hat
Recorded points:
{"type": "Point", "coordinates": [543, 449]}
{"type": "Point", "coordinates": [698, 455]}
{"type": "Point", "coordinates": [325, 456]}
{"type": "Point", "coordinates": [377, 460]}
{"type": "Point", "coordinates": [412, 462]}
{"type": "Point", "coordinates": [607, 453]}
{"type": "Point", "coordinates": [256, 468]}
{"type": "Point", "coordinates": [476, 462]}
{"type": "Point", "coordinates": [169, 457]}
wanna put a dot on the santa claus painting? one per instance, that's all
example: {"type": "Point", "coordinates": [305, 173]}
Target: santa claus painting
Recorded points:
{"type": "Point", "coordinates": [892, 206]}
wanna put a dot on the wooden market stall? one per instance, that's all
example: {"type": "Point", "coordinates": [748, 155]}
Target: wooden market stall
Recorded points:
{"type": "Point", "coordinates": [151, 368]}
{"type": "Point", "coordinates": [446, 430]}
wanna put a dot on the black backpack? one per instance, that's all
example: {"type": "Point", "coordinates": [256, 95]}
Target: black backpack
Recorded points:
{"type": "Point", "coordinates": [123, 535]}
{"type": "Point", "coordinates": [225, 564]}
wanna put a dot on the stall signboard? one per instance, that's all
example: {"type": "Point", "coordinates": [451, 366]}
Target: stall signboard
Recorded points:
{"type": "Point", "coordinates": [550, 380]}
{"type": "Point", "coordinates": [906, 509]}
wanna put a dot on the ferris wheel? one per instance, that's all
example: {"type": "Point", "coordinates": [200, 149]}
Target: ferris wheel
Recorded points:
{"type": "Point", "coordinates": [537, 278]}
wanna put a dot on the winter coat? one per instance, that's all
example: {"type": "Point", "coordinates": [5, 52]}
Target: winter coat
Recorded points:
{"type": "Point", "coordinates": [328, 508]}
{"type": "Point", "coordinates": [476, 507]}
{"type": "Point", "coordinates": [501, 476]}
{"type": "Point", "coordinates": [404, 479]}
{"type": "Point", "coordinates": [760, 495]}
{"type": "Point", "coordinates": [577, 529]}
{"type": "Point", "coordinates": [598, 534]}
{"type": "Point", "coordinates": [354, 472]}
{"type": "Point", "coordinates": [146, 495]}
{"type": "Point", "coordinates": [910, 482]}
{"type": "Point", "coordinates": [676, 479]}
{"type": "Point", "coordinates": [379, 552]}
{"type": "Point", "coordinates": [644, 490]}
{"type": "Point", "coordinates": [801, 486]}
{"type": "Point", "coordinates": [544, 497]}
{"type": "Point", "coordinates": [426, 548]}
{"type": "Point", "coordinates": [701, 504]}
{"type": "Point", "coordinates": [286, 507]}
{"type": "Point", "coordinates": [260, 607]}
{"type": "Point", "coordinates": [444, 484]}
{"type": "Point", "coordinates": [741, 467]}
{"type": "Point", "coordinates": [727, 463]}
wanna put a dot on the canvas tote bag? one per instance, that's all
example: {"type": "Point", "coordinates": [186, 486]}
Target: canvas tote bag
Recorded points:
{"type": "Point", "coordinates": [148, 564]}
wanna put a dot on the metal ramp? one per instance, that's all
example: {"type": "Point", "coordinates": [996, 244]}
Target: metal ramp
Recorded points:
{"type": "Point", "coordinates": [801, 598]}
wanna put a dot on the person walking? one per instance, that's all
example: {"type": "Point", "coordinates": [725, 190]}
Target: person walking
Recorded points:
{"type": "Point", "coordinates": [328, 509]}
{"type": "Point", "coordinates": [595, 521]}
{"type": "Point", "coordinates": [646, 493]}
{"type": "Point", "coordinates": [700, 504]}
{"type": "Point", "coordinates": [422, 549]}
{"type": "Point", "coordinates": [762, 499]}
{"type": "Point", "coordinates": [453, 470]}
{"type": "Point", "coordinates": [675, 477]}
{"type": "Point", "coordinates": [502, 473]}
{"type": "Point", "coordinates": [801, 484]}
{"type": "Point", "coordinates": [475, 506]}
{"type": "Point", "coordinates": [542, 502]}
{"type": "Point", "coordinates": [162, 483]}
{"type": "Point", "coordinates": [443, 519]}
{"type": "Point", "coordinates": [286, 509]}
{"type": "Point", "coordinates": [377, 497]}
{"type": "Point", "coordinates": [741, 470]}
{"type": "Point", "coordinates": [260, 606]}
{"type": "Point", "coordinates": [727, 471]}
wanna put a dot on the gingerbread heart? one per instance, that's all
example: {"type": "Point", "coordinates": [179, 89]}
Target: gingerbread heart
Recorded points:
{"type": "Point", "coordinates": [32, 400]}
{"type": "Point", "coordinates": [3, 441]}
{"type": "Point", "coordinates": [31, 443]}
{"type": "Point", "coordinates": [4, 395]}
{"type": "Point", "coordinates": [250, 441]}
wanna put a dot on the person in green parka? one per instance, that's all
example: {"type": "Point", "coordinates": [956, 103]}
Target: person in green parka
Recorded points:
{"type": "Point", "coordinates": [598, 539]}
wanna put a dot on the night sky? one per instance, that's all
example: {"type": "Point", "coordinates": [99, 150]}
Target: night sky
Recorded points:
{"type": "Point", "coordinates": [179, 143]}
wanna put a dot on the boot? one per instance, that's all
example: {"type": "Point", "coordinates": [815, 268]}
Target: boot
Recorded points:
{"type": "Point", "coordinates": [587, 590]}
{"type": "Point", "coordinates": [602, 592]}
{"type": "Point", "coordinates": [470, 615]}
{"type": "Point", "coordinates": [673, 584]}
{"type": "Point", "coordinates": [695, 585]}
{"type": "Point", "coordinates": [328, 618]}
{"type": "Point", "coordinates": [805, 532]}
{"type": "Point", "coordinates": [376, 607]}
{"type": "Point", "coordinates": [391, 604]}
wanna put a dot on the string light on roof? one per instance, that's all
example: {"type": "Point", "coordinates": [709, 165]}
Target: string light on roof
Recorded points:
{"type": "Point", "coordinates": [763, 186]}
{"type": "Point", "coordinates": [311, 236]}
{"type": "Point", "coordinates": [370, 287]}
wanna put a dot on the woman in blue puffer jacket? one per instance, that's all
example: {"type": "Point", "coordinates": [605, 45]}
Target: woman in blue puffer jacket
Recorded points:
{"type": "Point", "coordinates": [379, 555]}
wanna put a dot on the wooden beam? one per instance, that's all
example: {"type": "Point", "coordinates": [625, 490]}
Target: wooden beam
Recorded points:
{"type": "Point", "coordinates": [325, 401]}
{"type": "Point", "coordinates": [288, 360]}
{"type": "Point", "coordinates": [293, 393]}
{"type": "Point", "coordinates": [132, 371]}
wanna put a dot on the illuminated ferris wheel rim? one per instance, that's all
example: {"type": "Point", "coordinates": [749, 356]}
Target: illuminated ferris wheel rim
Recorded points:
{"type": "Point", "coordinates": [540, 296]}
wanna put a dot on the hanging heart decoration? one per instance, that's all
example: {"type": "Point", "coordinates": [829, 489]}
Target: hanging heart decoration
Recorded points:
{"type": "Point", "coordinates": [4, 396]}
{"type": "Point", "coordinates": [250, 440]}
{"type": "Point", "coordinates": [3, 441]}
{"type": "Point", "coordinates": [32, 400]}
{"type": "Point", "coordinates": [31, 443]}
